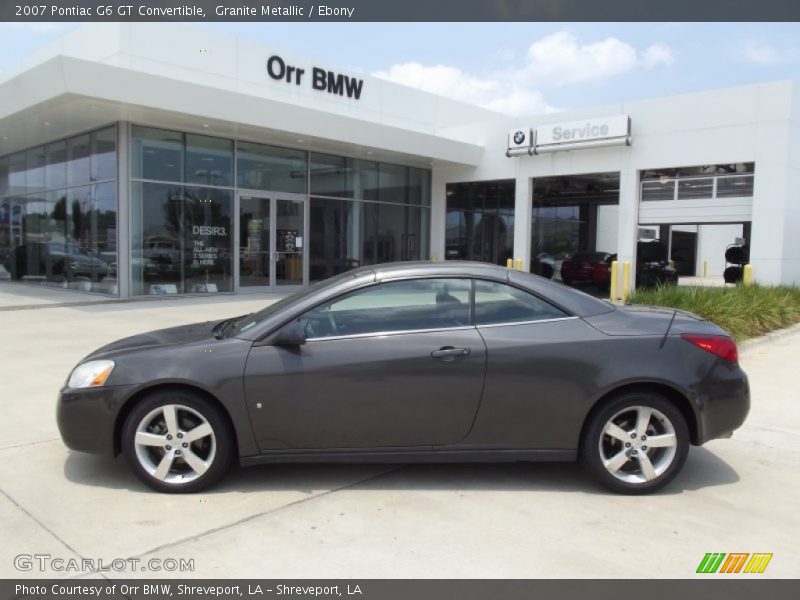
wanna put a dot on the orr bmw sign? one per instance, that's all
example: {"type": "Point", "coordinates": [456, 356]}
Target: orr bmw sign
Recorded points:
{"type": "Point", "coordinates": [320, 79]}
{"type": "Point", "coordinates": [571, 135]}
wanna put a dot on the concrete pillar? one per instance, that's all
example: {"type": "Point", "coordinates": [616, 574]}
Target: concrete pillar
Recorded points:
{"type": "Point", "coordinates": [771, 187]}
{"type": "Point", "coordinates": [523, 205]}
{"type": "Point", "coordinates": [438, 215]}
{"type": "Point", "coordinates": [628, 222]}
{"type": "Point", "coordinates": [123, 211]}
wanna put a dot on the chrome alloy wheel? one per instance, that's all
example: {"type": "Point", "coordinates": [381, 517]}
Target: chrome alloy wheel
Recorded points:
{"type": "Point", "coordinates": [638, 444]}
{"type": "Point", "coordinates": [175, 444]}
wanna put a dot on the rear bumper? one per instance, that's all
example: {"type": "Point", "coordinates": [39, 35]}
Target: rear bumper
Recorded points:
{"type": "Point", "coordinates": [723, 403]}
{"type": "Point", "coordinates": [87, 417]}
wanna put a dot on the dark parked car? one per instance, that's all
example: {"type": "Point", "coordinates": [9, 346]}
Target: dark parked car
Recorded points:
{"type": "Point", "coordinates": [404, 362]}
{"type": "Point", "coordinates": [61, 261]}
{"type": "Point", "coordinates": [652, 265]}
{"type": "Point", "coordinates": [581, 265]}
{"type": "Point", "coordinates": [544, 265]}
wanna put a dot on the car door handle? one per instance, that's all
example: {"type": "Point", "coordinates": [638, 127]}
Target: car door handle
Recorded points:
{"type": "Point", "coordinates": [450, 353]}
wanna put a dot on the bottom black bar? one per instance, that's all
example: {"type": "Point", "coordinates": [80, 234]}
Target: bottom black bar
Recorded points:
{"type": "Point", "coordinates": [713, 588]}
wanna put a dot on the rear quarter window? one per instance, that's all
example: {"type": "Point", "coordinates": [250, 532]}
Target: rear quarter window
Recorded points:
{"type": "Point", "coordinates": [497, 303]}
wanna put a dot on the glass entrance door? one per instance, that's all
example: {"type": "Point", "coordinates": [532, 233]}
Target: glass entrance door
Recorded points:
{"type": "Point", "coordinates": [289, 236]}
{"type": "Point", "coordinates": [272, 248]}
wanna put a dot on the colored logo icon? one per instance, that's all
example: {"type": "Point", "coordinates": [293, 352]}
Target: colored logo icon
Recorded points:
{"type": "Point", "coordinates": [734, 562]}
{"type": "Point", "coordinates": [519, 137]}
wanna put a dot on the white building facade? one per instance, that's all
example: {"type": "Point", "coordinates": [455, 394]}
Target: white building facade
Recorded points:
{"type": "Point", "coordinates": [158, 161]}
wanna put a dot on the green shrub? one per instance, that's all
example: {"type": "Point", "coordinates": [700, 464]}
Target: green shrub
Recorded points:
{"type": "Point", "coordinates": [743, 311]}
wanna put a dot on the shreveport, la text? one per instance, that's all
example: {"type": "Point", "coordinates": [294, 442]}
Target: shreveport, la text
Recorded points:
{"type": "Point", "coordinates": [167, 589]}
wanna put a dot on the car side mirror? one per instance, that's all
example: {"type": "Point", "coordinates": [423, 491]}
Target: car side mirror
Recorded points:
{"type": "Point", "coordinates": [290, 335]}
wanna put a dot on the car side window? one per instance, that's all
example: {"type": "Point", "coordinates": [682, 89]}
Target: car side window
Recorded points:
{"type": "Point", "coordinates": [497, 303]}
{"type": "Point", "coordinates": [406, 305]}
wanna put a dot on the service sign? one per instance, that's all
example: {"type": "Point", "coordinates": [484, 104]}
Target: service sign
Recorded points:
{"type": "Point", "coordinates": [587, 130]}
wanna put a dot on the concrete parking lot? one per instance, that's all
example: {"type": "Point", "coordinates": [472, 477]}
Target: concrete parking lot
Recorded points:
{"type": "Point", "coordinates": [372, 521]}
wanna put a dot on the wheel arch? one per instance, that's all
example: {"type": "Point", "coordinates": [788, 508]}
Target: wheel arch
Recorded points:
{"type": "Point", "coordinates": [681, 402]}
{"type": "Point", "coordinates": [140, 394]}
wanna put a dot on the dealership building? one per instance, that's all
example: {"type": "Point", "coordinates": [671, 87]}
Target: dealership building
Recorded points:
{"type": "Point", "coordinates": [152, 160]}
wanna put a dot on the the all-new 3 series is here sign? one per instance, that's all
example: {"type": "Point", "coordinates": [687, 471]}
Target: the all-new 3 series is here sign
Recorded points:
{"type": "Point", "coordinates": [603, 131]}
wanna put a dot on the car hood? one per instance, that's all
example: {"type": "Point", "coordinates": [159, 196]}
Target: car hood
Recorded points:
{"type": "Point", "coordinates": [184, 334]}
{"type": "Point", "coordinates": [651, 320]}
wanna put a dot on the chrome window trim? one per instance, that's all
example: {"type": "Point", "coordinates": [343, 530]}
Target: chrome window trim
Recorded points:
{"type": "Point", "coordinates": [389, 333]}
{"type": "Point", "coordinates": [526, 322]}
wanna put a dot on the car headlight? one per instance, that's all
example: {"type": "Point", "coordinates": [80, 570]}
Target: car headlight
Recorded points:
{"type": "Point", "coordinates": [91, 374]}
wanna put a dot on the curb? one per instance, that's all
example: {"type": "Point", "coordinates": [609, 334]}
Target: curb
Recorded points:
{"type": "Point", "coordinates": [772, 336]}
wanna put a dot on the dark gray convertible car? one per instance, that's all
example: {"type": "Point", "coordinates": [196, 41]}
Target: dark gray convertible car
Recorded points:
{"type": "Point", "coordinates": [407, 362]}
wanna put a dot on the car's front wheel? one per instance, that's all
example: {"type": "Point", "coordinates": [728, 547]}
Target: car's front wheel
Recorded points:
{"type": "Point", "coordinates": [635, 444]}
{"type": "Point", "coordinates": [177, 441]}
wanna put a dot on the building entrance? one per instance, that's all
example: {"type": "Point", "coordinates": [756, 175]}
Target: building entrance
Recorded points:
{"type": "Point", "coordinates": [272, 241]}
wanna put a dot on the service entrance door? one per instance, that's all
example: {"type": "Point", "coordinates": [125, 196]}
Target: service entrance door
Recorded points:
{"type": "Point", "coordinates": [272, 241]}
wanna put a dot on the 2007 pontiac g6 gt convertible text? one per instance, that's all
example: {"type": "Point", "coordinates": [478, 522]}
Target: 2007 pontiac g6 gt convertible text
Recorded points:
{"type": "Point", "coordinates": [413, 362]}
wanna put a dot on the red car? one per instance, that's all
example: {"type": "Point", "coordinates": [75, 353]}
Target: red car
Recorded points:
{"type": "Point", "coordinates": [581, 266]}
{"type": "Point", "coordinates": [602, 273]}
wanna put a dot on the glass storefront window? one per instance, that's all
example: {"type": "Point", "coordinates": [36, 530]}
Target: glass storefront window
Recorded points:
{"type": "Point", "coordinates": [16, 173]}
{"type": "Point", "coordinates": [104, 154]}
{"type": "Point", "coordinates": [156, 154]}
{"type": "Point", "coordinates": [365, 179]}
{"type": "Point", "coordinates": [208, 240]}
{"type": "Point", "coordinates": [419, 186]}
{"type": "Point", "coordinates": [79, 151]}
{"type": "Point", "coordinates": [261, 167]}
{"type": "Point", "coordinates": [56, 167]}
{"type": "Point", "coordinates": [336, 228]}
{"type": "Point", "coordinates": [331, 176]}
{"type": "Point", "coordinates": [393, 183]}
{"type": "Point", "coordinates": [34, 177]}
{"type": "Point", "coordinates": [209, 160]}
{"type": "Point", "coordinates": [57, 230]}
{"type": "Point", "coordinates": [3, 176]}
{"type": "Point", "coordinates": [480, 221]}
{"type": "Point", "coordinates": [181, 239]}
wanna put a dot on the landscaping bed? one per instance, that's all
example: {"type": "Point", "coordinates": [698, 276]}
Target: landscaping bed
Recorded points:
{"type": "Point", "coordinates": [743, 311]}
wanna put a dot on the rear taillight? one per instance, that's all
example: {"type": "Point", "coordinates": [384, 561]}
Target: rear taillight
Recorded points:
{"type": "Point", "coordinates": [720, 345]}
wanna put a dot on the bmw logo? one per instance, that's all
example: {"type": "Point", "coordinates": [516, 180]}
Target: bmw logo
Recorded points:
{"type": "Point", "coordinates": [519, 137]}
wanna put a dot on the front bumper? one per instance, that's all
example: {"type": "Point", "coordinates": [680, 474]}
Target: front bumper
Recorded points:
{"type": "Point", "coordinates": [87, 417]}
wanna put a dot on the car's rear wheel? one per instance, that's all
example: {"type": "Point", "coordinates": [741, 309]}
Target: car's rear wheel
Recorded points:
{"type": "Point", "coordinates": [636, 443]}
{"type": "Point", "coordinates": [177, 441]}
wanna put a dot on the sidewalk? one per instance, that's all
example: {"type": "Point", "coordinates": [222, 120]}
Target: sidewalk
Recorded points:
{"type": "Point", "coordinates": [19, 296]}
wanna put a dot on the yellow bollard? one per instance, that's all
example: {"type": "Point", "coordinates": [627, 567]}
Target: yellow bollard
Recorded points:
{"type": "Point", "coordinates": [509, 263]}
{"type": "Point", "coordinates": [705, 268]}
{"type": "Point", "coordinates": [614, 278]}
{"type": "Point", "coordinates": [626, 279]}
{"type": "Point", "coordinates": [518, 264]}
{"type": "Point", "coordinates": [747, 275]}
{"type": "Point", "coordinates": [433, 258]}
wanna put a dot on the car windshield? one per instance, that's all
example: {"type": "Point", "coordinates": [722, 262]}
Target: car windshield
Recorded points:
{"type": "Point", "coordinates": [250, 321]}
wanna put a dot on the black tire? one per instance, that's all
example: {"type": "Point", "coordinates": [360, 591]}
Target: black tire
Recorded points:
{"type": "Point", "coordinates": [216, 450]}
{"type": "Point", "coordinates": [630, 478]}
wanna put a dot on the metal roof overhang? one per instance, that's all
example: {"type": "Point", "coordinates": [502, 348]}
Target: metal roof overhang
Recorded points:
{"type": "Point", "coordinates": [64, 95]}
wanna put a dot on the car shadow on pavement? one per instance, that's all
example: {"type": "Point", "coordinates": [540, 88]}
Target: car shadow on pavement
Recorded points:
{"type": "Point", "coordinates": [703, 469]}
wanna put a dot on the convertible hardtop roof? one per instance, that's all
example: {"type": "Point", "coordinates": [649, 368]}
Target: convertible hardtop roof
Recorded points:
{"type": "Point", "coordinates": [572, 300]}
